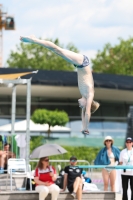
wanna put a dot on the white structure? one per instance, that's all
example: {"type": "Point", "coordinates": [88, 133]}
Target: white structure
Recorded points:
{"type": "Point", "coordinates": [35, 129]}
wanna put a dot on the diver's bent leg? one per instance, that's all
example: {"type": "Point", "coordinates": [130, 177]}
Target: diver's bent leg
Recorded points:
{"type": "Point", "coordinates": [72, 57]}
{"type": "Point", "coordinates": [94, 106]}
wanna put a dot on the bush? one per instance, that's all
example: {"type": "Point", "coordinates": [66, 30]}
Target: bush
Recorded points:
{"type": "Point", "coordinates": [82, 153]}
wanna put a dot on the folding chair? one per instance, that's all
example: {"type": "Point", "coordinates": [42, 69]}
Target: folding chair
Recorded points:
{"type": "Point", "coordinates": [16, 167]}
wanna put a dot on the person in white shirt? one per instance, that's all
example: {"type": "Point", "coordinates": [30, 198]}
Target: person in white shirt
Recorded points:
{"type": "Point", "coordinates": [126, 158]}
{"type": "Point", "coordinates": [85, 78]}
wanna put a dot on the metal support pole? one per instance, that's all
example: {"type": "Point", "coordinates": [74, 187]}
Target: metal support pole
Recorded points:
{"type": "Point", "coordinates": [28, 109]}
{"type": "Point", "coordinates": [13, 113]}
{"type": "Point", "coordinates": [11, 178]}
{"type": "Point", "coordinates": [13, 122]}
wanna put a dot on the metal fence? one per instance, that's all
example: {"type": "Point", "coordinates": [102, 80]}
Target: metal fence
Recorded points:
{"type": "Point", "coordinates": [60, 164]}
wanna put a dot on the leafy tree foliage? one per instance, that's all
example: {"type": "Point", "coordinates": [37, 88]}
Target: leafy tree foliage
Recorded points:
{"type": "Point", "coordinates": [115, 59]}
{"type": "Point", "coordinates": [36, 141]}
{"type": "Point", "coordinates": [32, 56]}
{"type": "Point", "coordinates": [52, 118]}
{"type": "Point", "coordinates": [82, 153]}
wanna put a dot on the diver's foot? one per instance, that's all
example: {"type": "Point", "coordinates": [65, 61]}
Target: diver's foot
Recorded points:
{"type": "Point", "coordinates": [85, 132]}
{"type": "Point", "coordinates": [29, 39]}
{"type": "Point", "coordinates": [94, 106]}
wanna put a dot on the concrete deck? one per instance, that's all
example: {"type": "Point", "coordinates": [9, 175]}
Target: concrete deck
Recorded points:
{"type": "Point", "coordinates": [32, 195]}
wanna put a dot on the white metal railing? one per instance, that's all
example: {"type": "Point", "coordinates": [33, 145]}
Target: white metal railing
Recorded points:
{"type": "Point", "coordinates": [65, 162]}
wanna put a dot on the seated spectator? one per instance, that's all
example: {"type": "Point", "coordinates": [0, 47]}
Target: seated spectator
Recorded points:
{"type": "Point", "coordinates": [108, 156]}
{"type": "Point", "coordinates": [4, 156]}
{"type": "Point", "coordinates": [73, 179]}
{"type": "Point", "coordinates": [45, 176]}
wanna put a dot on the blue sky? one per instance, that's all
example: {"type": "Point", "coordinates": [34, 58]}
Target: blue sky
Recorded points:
{"type": "Point", "coordinates": [88, 24]}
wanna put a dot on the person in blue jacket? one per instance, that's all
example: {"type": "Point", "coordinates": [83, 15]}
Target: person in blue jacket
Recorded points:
{"type": "Point", "coordinates": [108, 156]}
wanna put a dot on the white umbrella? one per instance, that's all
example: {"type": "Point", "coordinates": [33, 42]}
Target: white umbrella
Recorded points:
{"type": "Point", "coordinates": [47, 150]}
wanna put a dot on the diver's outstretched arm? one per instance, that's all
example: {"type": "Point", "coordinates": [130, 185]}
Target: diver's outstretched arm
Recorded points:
{"type": "Point", "coordinates": [70, 56]}
{"type": "Point", "coordinates": [83, 118]}
{"type": "Point", "coordinates": [87, 115]}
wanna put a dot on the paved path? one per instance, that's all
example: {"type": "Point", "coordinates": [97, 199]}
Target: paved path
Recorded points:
{"type": "Point", "coordinates": [118, 196]}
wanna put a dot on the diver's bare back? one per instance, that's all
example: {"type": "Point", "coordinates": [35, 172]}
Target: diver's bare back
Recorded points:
{"type": "Point", "coordinates": [85, 81]}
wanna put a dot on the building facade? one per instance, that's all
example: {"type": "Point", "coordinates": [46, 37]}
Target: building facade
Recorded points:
{"type": "Point", "coordinates": [59, 90]}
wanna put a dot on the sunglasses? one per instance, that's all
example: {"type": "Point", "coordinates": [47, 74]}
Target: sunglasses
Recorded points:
{"type": "Point", "coordinates": [46, 160]}
{"type": "Point", "coordinates": [73, 160]}
{"type": "Point", "coordinates": [108, 141]}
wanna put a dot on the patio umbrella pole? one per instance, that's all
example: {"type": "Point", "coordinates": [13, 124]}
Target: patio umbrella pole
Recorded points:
{"type": "Point", "coordinates": [28, 109]}
{"type": "Point", "coordinates": [13, 113]}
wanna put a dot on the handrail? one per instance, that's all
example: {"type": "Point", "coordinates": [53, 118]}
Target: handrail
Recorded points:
{"type": "Point", "coordinates": [65, 161]}
{"type": "Point", "coordinates": [106, 166]}
{"type": "Point", "coordinates": [61, 161]}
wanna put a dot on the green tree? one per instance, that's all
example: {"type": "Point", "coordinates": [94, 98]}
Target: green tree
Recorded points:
{"type": "Point", "coordinates": [32, 56]}
{"type": "Point", "coordinates": [116, 59]}
{"type": "Point", "coordinates": [52, 118]}
{"type": "Point", "coordinates": [35, 142]}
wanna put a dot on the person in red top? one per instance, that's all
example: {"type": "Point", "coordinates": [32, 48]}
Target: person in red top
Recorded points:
{"type": "Point", "coordinates": [45, 176]}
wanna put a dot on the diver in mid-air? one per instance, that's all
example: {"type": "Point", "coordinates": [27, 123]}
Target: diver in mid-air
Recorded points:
{"type": "Point", "coordinates": [85, 78]}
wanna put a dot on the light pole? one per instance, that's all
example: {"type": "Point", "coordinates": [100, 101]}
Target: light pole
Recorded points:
{"type": "Point", "coordinates": [7, 23]}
